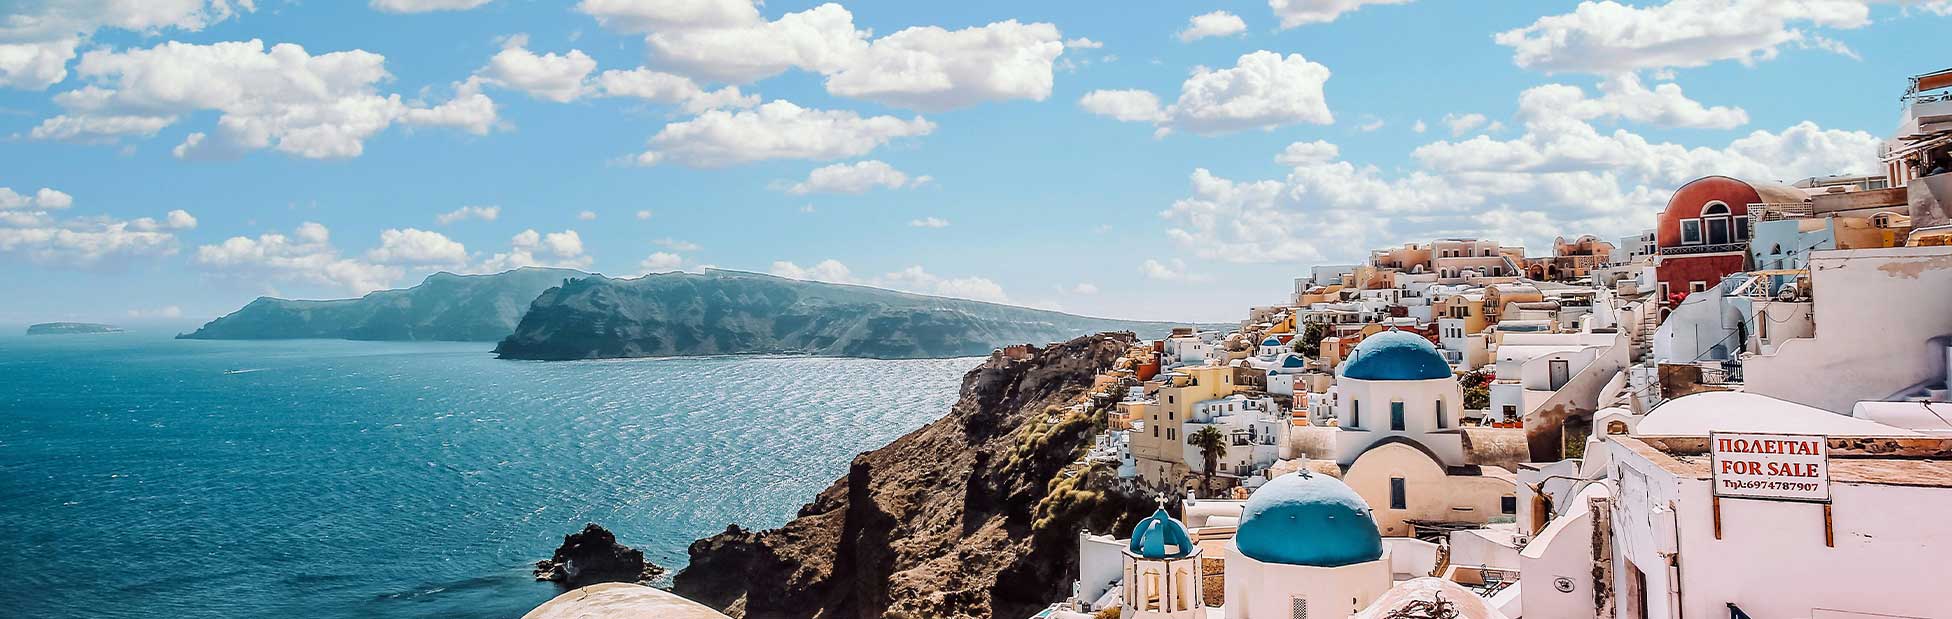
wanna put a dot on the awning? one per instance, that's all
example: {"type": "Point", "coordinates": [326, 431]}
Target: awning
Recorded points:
{"type": "Point", "coordinates": [1931, 81]}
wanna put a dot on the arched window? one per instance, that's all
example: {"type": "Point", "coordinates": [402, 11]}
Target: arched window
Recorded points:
{"type": "Point", "coordinates": [1717, 224]}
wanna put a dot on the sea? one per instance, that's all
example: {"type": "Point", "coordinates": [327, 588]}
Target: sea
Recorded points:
{"type": "Point", "coordinates": [143, 476]}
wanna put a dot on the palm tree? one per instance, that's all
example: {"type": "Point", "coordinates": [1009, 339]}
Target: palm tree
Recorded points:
{"type": "Point", "coordinates": [1213, 445]}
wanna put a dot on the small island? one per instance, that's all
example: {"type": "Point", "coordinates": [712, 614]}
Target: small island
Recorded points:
{"type": "Point", "coordinates": [71, 328]}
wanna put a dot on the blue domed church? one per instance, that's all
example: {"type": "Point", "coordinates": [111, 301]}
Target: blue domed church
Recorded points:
{"type": "Point", "coordinates": [1305, 546]}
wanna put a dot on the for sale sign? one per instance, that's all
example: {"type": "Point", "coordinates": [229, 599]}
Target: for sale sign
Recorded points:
{"type": "Point", "coordinates": [1783, 467]}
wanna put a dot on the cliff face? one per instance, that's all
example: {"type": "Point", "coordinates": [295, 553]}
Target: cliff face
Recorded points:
{"type": "Point", "coordinates": [973, 515]}
{"type": "Point", "coordinates": [445, 307]}
{"type": "Point", "coordinates": [729, 312]}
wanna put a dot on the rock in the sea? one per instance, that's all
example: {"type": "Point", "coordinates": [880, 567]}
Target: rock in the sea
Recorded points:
{"type": "Point", "coordinates": [973, 516]}
{"type": "Point", "coordinates": [592, 556]}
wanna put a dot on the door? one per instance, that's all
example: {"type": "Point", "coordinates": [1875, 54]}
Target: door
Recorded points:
{"type": "Point", "coordinates": [1560, 370]}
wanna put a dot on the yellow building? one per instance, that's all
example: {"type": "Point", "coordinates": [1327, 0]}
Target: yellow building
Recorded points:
{"type": "Point", "coordinates": [1159, 449]}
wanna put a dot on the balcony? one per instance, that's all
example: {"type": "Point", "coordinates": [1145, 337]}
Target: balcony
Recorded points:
{"type": "Point", "coordinates": [1705, 248]}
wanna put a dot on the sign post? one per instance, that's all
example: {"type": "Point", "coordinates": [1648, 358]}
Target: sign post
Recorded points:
{"type": "Point", "coordinates": [1771, 467]}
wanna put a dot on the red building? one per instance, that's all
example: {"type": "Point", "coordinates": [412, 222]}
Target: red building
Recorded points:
{"type": "Point", "coordinates": [1703, 234]}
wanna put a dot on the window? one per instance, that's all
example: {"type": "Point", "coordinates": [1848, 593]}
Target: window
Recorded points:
{"type": "Point", "coordinates": [1397, 500]}
{"type": "Point", "coordinates": [1697, 286]}
{"type": "Point", "coordinates": [1690, 232]}
{"type": "Point", "coordinates": [1508, 504]}
{"type": "Point", "coordinates": [1616, 427]}
{"type": "Point", "coordinates": [1155, 431]}
{"type": "Point", "coordinates": [1511, 412]}
{"type": "Point", "coordinates": [1355, 414]}
{"type": "Point", "coordinates": [1715, 218]}
{"type": "Point", "coordinates": [1297, 608]}
{"type": "Point", "coordinates": [1443, 419]}
{"type": "Point", "coordinates": [1171, 435]}
{"type": "Point", "coordinates": [1396, 416]}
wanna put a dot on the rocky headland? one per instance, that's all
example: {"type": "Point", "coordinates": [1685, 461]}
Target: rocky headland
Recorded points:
{"type": "Point", "coordinates": [720, 312]}
{"type": "Point", "coordinates": [973, 515]}
{"type": "Point", "coordinates": [71, 328]}
{"type": "Point", "coordinates": [444, 307]}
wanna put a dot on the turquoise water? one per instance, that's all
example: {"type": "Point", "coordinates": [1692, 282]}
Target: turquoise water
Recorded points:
{"type": "Point", "coordinates": [146, 477]}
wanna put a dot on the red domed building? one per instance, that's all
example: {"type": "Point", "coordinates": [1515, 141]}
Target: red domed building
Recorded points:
{"type": "Point", "coordinates": [1703, 234]}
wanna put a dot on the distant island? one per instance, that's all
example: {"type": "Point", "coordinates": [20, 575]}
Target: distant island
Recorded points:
{"type": "Point", "coordinates": [731, 312]}
{"type": "Point", "coordinates": [444, 307]}
{"type": "Point", "coordinates": [71, 328]}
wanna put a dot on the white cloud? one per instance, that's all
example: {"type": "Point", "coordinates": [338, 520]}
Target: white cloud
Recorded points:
{"type": "Point", "coordinates": [413, 246]}
{"type": "Point", "coordinates": [663, 87]}
{"type": "Point", "coordinates": [1263, 90]}
{"type": "Point", "coordinates": [1562, 176]}
{"type": "Point", "coordinates": [912, 279]}
{"type": "Point", "coordinates": [322, 106]}
{"type": "Point", "coordinates": [1607, 37]}
{"type": "Point", "coordinates": [306, 256]}
{"type": "Point", "coordinates": [647, 15]}
{"type": "Point", "coordinates": [46, 199]}
{"type": "Point", "coordinates": [550, 76]}
{"type": "Point", "coordinates": [1124, 105]}
{"type": "Point", "coordinates": [643, 215]}
{"type": "Point", "coordinates": [483, 213]}
{"type": "Point", "coordinates": [37, 39]}
{"type": "Point", "coordinates": [929, 68]}
{"type": "Point", "coordinates": [1623, 96]}
{"type": "Point", "coordinates": [1461, 124]}
{"type": "Point", "coordinates": [530, 248]}
{"type": "Point", "coordinates": [1420, 126]}
{"type": "Point", "coordinates": [1301, 12]}
{"type": "Point", "coordinates": [659, 262]}
{"type": "Point", "coordinates": [167, 311]}
{"type": "Point", "coordinates": [1369, 123]}
{"type": "Point", "coordinates": [1085, 288]}
{"type": "Point", "coordinates": [676, 245]}
{"type": "Point", "coordinates": [1173, 270]}
{"type": "Point", "coordinates": [928, 222]}
{"type": "Point", "coordinates": [1302, 153]}
{"type": "Point", "coordinates": [423, 6]}
{"type": "Point", "coordinates": [1215, 24]}
{"type": "Point", "coordinates": [586, 216]}
{"type": "Point", "coordinates": [775, 130]}
{"type": "Point", "coordinates": [1082, 43]}
{"type": "Point", "coordinates": [829, 270]}
{"type": "Point", "coordinates": [926, 67]}
{"type": "Point", "coordinates": [854, 178]}
{"type": "Point", "coordinates": [29, 228]}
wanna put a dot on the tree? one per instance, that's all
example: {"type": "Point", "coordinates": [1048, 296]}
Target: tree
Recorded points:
{"type": "Point", "coordinates": [1310, 342]}
{"type": "Point", "coordinates": [1213, 445]}
{"type": "Point", "coordinates": [1477, 389]}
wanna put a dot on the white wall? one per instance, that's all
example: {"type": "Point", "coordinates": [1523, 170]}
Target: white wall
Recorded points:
{"type": "Point", "coordinates": [1875, 309]}
{"type": "Point", "coordinates": [1256, 590]}
{"type": "Point", "coordinates": [1419, 398]}
{"type": "Point", "coordinates": [1101, 563]}
{"type": "Point", "coordinates": [1771, 560]}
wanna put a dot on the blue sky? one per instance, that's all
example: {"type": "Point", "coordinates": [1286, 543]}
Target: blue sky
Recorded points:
{"type": "Point", "coordinates": [178, 158]}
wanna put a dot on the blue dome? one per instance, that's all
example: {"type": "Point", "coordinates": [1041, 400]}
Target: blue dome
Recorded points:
{"type": "Point", "coordinates": [1150, 537]}
{"type": "Point", "coordinates": [1307, 519]}
{"type": "Point", "coordinates": [1293, 361]}
{"type": "Point", "coordinates": [1395, 355]}
{"type": "Point", "coordinates": [1271, 342]}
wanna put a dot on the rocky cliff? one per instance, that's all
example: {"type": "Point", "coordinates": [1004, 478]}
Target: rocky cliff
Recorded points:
{"type": "Point", "coordinates": [444, 307]}
{"type": "Point", "coordinates": [730, 312]}
{"type": "Point", "coordinates": [973, 515]}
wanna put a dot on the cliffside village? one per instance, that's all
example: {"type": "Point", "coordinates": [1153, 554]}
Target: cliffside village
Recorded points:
{"type": "Point", "coordinates": [1740, 413]}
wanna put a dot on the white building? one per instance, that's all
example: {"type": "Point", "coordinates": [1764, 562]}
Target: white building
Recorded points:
{"type": "Point", "coordinates": [1305, 547]}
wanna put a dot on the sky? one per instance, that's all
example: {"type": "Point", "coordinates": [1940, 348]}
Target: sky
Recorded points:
{"type": "Point", "coordinates": [174, 159]}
